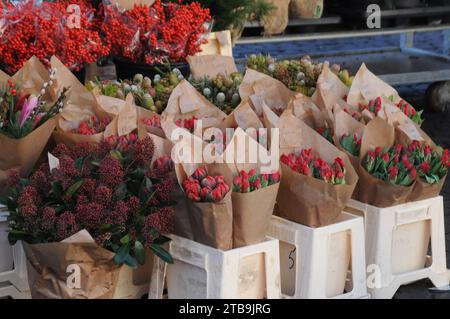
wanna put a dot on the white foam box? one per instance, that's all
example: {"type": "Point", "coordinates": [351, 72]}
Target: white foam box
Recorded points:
{"type": "Point", "coordinates": [324, 262]}
{"type": "Point", "coordinates": [200, 272]}
{"type": "Point", "coordinates": [399, 240]}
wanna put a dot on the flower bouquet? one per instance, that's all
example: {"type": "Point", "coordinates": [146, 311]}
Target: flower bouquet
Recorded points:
{"type": "Point", "coordinates": [44, 29]}
{"type": "Point", "coordinates": [150, 94]}
{"type": "Point", "coordinates": [29, 103]}
{"type": "Point", "coordinates": [317, 182]}
{"type": "Point", "coordinates": [298, 75]}
{"type": "Point", "coordinates": [149, 35]}
{"type": "Point", "coordinates": [99, 207]}
{"type": "Point", "coordinates": [217, 78]}
{"type": "Point", "coordinates": [186, 107]}
{"type": "Point", "coordinates": [255, 190]}
{"type": "Point", "coordinates": [207, 189]}
{"type": "Point", "coordinates": [431, 164]}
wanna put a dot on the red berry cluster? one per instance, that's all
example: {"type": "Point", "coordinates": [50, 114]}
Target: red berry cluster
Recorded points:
{"type": "Point", "coordinates": [92, 126]}
{"type": "Point", "coordinates": [305, 163]}
{"type": "Point", "coordinates": [151, 34]}
{"type": "Point", "coordinates": [246, 182]}
{"type": "Point", "coordinates": [44, 31]}
{"type": "Point", "coordinates": [201, 187]}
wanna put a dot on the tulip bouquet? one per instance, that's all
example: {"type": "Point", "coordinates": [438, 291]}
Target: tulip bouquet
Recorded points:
{"type": "Point", "coordinates": [303, 162]}
{"type": "Point", "coordinates": [409, 111]}
{"type": "Point", "coordinates": [247, 182]}
{"type": "Point", "coordinates": [392, 164]}
{"type": "Point", "coordinates": [351, 143]}
{"type": "Point", "coordinates": [431, 166]}
{"type": "Point", "coordinates": [92, 126]}
{"type": "Point", "coordinates": [201, 187]}
{"type": "Point", "coordinates": [21, 113]}
{"type": "Point", "coordinates": [222, 90]}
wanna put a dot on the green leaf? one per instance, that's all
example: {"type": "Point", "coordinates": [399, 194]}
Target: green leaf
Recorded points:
{"type": "Point", "coordinates": [148, 183]}
{"type": "Point", "coordinates": [122, 254]}
{"type": "Point", "coordinates": [130, 261]}
{"type": "Point", "coordinates": [125, 240]}
{"type": "Point", "coordinates": [74, 188]}
{"type": "Point", "coordinates": [79, 163]}
{"type": "Point", "coordinates": [161, 253]}
{"type": "Point", "coordinates": [139, 252]}
{"type": "Point", "coordinates": [430, 180]}
{"type": "Point", "coordinates": [95, 163]}
{"type": "Point", "coordinates": [116, 154]}
{"type": "Point", "coordinates": [161, 240]}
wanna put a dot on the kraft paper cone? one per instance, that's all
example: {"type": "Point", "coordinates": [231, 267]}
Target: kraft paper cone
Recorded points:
{"type": "Point", "coordinates": [307, 200]}
{"type": "Point", "coordinates": [144, 129]}
{"type": "Point", "coordinates": [212, 223]}
{"type": "Point", "coordinates": [252, 212]}
{"type": "Point", "coordinates": [48, 264]}
{"type": "Point", "coordinates": [306, 110]}
{"type": "Point", "coordinates": [372, 190]}
{"type": "Point", "coordinates": [260, 87]}
{"type": "Point", "coordinates": [23, 153]}
{"type": "Point", "coordinates": [111, 105]}
{"type": "Point", "coordinates": [211, 65]}
{"type": "Point", "coordinates": [242, 116]}
{"type": "Point", "coordinates": [278, 18]}
{"type": "Point", "coordinates": [186, 102]}
{"type": "Point", "coordinates": [329, 90]}
{"type": "Point", "coordinates": [367, 86]}
{"type": "Point", "coordinates": [71, 117]}
{"type": "Point", "coordinates": [344, 123]}
{"type": "Point", "coordinates": [406, 131]}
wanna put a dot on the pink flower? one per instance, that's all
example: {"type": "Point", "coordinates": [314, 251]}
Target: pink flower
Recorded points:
{"type": "Point", "coordinates": [29, 106]}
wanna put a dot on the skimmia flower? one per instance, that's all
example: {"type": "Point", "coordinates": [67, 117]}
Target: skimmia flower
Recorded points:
{"type": "Point", "coordinates": [305, 163]}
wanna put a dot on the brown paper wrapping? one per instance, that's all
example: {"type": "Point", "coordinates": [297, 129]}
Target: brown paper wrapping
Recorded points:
{"type": "Point", "coordinates": [306, 110]}
{"type": "Point", "coordinates": [344, 123]}
{"type": "Point", "coordinates": [129, 4]}
{"type": "Point", "coordinates": [211, 66]}
{"type": "Point", "coordinates": [307, 200]}
{"type": "Point", "coordinates": [367, 86]}
{"type": "Point", "coordinates": [23, 153]}
{"type": "Point", "coordinates": [48, 269]}
{"type": "Point", "coordinates": [252, 212]}
{"type": "Point", "coordinates": [407, 131]}
{"type": "Point", "coordinates": [329, 91]}
{"type": "Point", "coordinates": [110, 105]}
{"type": "Point", "coordinates": [186, 102]}
{"type": "Point", "coordinates": [372, 190]}
{"type": "Point", "coordinates": [259, 88]}
{"type": "Point", "coordinates": [243, 116]}
{"type": "Point", "coordinates": [211, 223]}
{"type": "Point", "coordinates": [144, 129]}
{"type": "Point", "coordinates": [124, 123]}
{"type": "Point", "coordinates": [277, 20]}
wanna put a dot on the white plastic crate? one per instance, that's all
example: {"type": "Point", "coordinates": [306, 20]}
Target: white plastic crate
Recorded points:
{"type": "Point", "coordinates": [199, 271]}
{"type": "Point", "coordinates": [6, 255]}
{"type": "Point", "coordinates": [397, 244]}
{"type": "Point", "coordinates": [324, 262]}
{"type": "Point", "coordinates": [14, 283]}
